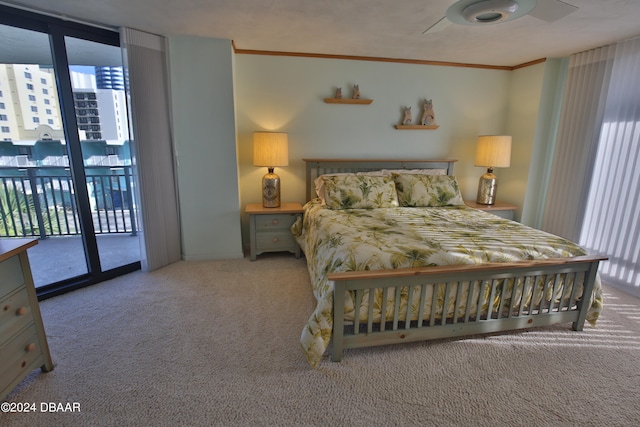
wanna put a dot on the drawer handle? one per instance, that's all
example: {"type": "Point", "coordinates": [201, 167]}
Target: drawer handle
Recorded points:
{"type": "Point", "coordinates": [275, 222]}
{"type": "Point", "coordinates": [30, 347]}
{"type": "Point", "coordinates": [21, 311]}
{"type": "Point", "coordinates": [276, 239]}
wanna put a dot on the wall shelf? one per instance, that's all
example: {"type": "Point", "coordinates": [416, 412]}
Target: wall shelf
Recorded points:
{"type": "Point", "coordinates": [347, 101]}
{"type": "Point", "coordinates": [416, 127]}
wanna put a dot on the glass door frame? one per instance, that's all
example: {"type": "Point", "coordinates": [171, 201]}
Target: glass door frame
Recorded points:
{"type": "Point", "coordinates": [57, 30]}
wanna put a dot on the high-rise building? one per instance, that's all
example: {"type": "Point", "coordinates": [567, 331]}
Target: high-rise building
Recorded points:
{"type": "Point", "coordinates": [31, 130]}
{"type": "Point", "coordinates": [29, 108]}
{"type": "Point", "coordinates": [109, 78]}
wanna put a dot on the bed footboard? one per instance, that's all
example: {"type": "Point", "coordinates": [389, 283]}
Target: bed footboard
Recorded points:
{"type": "Point", "coordinates": [453, 301]}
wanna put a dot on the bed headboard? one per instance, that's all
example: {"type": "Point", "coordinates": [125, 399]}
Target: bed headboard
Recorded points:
{"type": "Point", "coordinates": [317, 167]}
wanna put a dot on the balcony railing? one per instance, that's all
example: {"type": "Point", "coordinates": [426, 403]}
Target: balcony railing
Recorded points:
{"type": "Point", "coordinates": [40, 201]}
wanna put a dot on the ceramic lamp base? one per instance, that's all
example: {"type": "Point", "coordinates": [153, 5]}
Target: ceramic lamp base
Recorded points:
{"type": "Point", "coordinates": [487, 189]}
{"type": "Point", "coordinates": [271, 190]}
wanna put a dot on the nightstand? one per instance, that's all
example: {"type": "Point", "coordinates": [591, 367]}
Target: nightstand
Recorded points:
{"type": "Point", "coordinates": [504, 210]}
{"type": "Point", "coordinates": [269, 228]}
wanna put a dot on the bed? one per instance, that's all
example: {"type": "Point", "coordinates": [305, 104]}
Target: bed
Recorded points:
{"type": "Point", "coordinates": [395, 256]}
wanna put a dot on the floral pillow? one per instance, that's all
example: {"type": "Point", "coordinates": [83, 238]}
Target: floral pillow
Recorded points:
{"type": "Point", "coordinates": [359, 192]}
{"type": "Point", "coordinates": [427, 190]}
{"type": "Point", "coordinates": [319, 183]}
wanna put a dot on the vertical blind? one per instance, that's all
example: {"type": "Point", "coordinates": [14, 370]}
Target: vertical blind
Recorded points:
{"type": "Point", "coordinates": [576, 142]}
{"type": "Point", "coordinates": [145, 63]}
{"type": "Point", "coordinates": [594, 188]}
{"type": "Point", "coordinates": [612, 217]}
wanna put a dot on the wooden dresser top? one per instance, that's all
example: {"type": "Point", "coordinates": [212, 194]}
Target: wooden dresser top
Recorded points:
{"type": "Point", "coordinates": [11, 247]}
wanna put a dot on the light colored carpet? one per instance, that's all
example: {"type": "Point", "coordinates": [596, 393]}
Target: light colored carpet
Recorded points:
{"type": "Point", "coordinates": [216, 343]}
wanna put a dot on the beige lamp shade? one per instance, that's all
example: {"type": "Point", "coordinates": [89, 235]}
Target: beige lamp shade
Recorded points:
{"type": "Point", "coordinates": [270, 149]}
{"type": "Point", "coordinates": [493, 151]}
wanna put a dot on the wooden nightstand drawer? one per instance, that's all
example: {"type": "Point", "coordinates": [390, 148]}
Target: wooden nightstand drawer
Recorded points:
{"type": "Point", "coordinates": [275, 241]}
{"type": "Point", "coordinates": [10, 275]}
{"type": "Point", "coordinates": [15, 314]}
{"type": "Point", "coordinates": [503, 210]}
{"type": "Point", "coordinates": [503, 214]}
{"type": "Point", "coordinates": [275, 222]}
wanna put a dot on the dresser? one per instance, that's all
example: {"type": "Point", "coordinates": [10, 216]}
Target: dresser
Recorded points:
{"type": "Point", "coordinates": [23, 343]}
{"type": "Point", "coordinates": [501, 209]}
{"type": "Point", "coordinates": [270, 228]}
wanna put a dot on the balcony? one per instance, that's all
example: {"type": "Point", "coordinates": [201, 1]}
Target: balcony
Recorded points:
{"type": "Point", "coordinates": [62, 257]}
{"type": "Point", "coordinates": [39, 202]}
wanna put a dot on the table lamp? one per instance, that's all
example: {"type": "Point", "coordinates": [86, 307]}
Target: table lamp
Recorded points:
{"type": "Point", "coordinates": [270, 149]}
{"type": "Point", "coordinates": [493, 151]}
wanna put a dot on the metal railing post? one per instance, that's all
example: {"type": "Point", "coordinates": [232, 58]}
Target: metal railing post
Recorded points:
{"type": "Point", "coordinates": [132, 214]}
{"type": "Point", "coordinates": [36, 202]}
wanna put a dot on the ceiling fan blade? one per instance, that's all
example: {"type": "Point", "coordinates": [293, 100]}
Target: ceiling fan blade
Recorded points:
{"type": "Point", "coordinates": [552, 10]}
{"type": "Point", "coordinates": [438, 26]}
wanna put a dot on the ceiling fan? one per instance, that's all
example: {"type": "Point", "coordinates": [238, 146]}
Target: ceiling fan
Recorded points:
{"type": "Point", "coordinates": [486, 12]}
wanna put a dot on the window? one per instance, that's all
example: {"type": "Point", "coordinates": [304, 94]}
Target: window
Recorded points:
{"type": "Point", "coordinates": [32, 97]}
{"type": "Point", "coordinates": [29, 86]}
{"type": "Point", "coordinates": [25, 151]}
{"type": "Point", "coordinates": [36, 120]}
{"type": "Point", "coordinates": [34, 109]}
{"type": "Point", "coordinates": [43, 81]}
{"type": "Point", "coordinates": [27, 75]}
{"type": "Point", "coordinates": [4, 117]}
{"type": "Point", "coordinates": [48, 111]}
{"type": "Point", "coordinates": [5, 129]}
{"type": "Point", "coordinates": [45, 91]}
{"type": "Point", "coordinates": [2, 105]}
{"type": "Point", "coordinates": [47, 102]}
{"type": "Point", "coordinates": [50, 121]}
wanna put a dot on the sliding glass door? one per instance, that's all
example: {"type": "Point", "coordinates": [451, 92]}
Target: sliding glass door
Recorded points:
{"type": "Point", "coordinates": [65, 161]}
{"type": "Point", "coordinates": [99, 99]}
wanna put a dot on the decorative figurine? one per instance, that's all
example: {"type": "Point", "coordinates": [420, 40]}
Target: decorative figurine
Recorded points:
{"type": "Point", "coordinates": [339, 92]}
{"type": "Point", "coordinates": [428, 115]}
{"type": "Point", "coordinates": [356, 92]}
{"type": "Point", "coordinates": [406, 119]}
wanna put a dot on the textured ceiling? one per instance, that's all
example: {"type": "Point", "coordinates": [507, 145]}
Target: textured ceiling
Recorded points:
{"type": "Point", "coordinates": [370, 28]}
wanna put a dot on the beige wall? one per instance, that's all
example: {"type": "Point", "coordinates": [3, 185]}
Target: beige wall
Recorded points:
{"type": "Point", "coordinates": [524, 102]}
{"type": "Point", "coordinates": [229, 96]}
{"type": "Point", "coordinates": [286, 94]}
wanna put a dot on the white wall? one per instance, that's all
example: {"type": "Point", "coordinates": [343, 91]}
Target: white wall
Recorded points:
{"type": "Point", "coordinates": [524, 102]}
{"type": "Point", "coordinates": [286, 94]}
{"type": "Point", "coordinates": [204, 134]}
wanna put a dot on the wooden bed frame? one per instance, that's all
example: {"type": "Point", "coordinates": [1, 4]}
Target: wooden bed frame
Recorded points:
{"type": "Point", "coordinates": [557, 273]}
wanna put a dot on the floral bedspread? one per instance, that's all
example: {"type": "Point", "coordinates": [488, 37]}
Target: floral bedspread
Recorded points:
{"type": "Point", "coordinates": [388, 238]}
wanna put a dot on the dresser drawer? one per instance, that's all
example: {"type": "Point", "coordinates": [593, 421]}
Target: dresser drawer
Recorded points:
{"type": "Point", "coordinates": [10, 275]}
{"type": "Point", "coordinates": [15, 314]}
{"type": "Point", "coordinates": [274, 222]}
{"type": "Point", "coordinates": [17, 355]}
{"type": "Point", "coordinates": [275, 241]}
